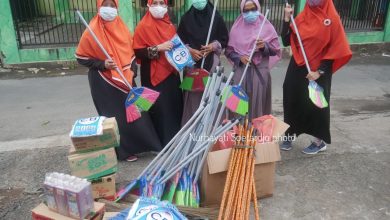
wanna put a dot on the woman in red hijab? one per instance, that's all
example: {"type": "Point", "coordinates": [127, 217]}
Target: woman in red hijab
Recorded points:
{"type": "Point", "coordinates": [327, 50]}
{"type": "Point", "coordinates": [108, 90]}
{"type": "Point", "coordinates": [151, 39]}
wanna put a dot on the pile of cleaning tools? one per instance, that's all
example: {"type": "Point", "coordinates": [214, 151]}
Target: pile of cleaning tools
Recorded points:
{"type": "Point", "coordinates": [173, 175]}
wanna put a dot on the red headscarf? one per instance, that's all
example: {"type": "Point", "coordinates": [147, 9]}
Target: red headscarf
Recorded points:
{"type": "Point", "coordinates": [117, 40]}
{"type": "Point", "coordinates": [151, 32]}
{"type": "Point", "coordinates": [323, 37]}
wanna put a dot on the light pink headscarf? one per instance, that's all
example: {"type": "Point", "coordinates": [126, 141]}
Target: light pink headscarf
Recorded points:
{"type": "Point", "coordinates": [243, 36]}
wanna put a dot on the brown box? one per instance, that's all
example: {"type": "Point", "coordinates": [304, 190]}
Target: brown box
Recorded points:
{"type": "Point", "coordinates": [93, 165]}
{"type": "Point", "coordinates": [214, 172]}
{"type": "Point", "coordinates": [109, 215]}
{"type": "Point", "coordinates": [104, 188]}
{"type": "Point", "coordinates": [109, 138]}
{"type": "Point", "coordinates": [42, 212]}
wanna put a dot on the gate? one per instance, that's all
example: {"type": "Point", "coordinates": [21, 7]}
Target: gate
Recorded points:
{"type": "Point", "coordinates": [53, 23]}
{"type": "Point", "coordinates": [362, 15]}
{"type": "Point", "coordinates": [49, 23]}
{"type": "Point", "coordinates": [229, 9]}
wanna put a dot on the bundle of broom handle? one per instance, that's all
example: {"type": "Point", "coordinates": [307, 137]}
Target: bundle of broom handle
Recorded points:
{"type": "Point", "coordinates": [240, 186]}
{"type": "Point", "coordinates": [229, 183]}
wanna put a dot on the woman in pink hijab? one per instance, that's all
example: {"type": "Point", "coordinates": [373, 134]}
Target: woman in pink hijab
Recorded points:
{"type": "Point", "coordinates": [243, 36]}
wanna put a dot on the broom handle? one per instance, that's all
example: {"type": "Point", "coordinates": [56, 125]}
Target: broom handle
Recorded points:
{"type": "Point", "coordinates": [219, 116]}
{"type": "Point", "coordinates": [190, 157]}
{"type": "Point", "coordinates": [173, 156]}
{"type": "Point", "coordinates": [168, 147]}
{"type": "Point", "coordinates": [210, 29]}
{"type": "Point", "coordinates": [194, 154]}
{"type": "Point", "coordinates": [254, 47]}
{"type": "Point", "coordinates": [300, 42]}
{"type": "Point", "coordinates": [102, 47]}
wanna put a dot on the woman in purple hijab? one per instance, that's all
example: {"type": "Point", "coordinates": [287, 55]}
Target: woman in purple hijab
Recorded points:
{"type": "Point", "coordinates": [243, 36]}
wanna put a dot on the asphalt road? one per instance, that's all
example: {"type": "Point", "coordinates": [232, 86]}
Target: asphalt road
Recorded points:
{"type": "Point", "coordinates": [351, 180]}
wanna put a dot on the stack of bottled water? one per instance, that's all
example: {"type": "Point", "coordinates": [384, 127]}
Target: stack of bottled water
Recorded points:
{"type": "Point", "coordinates": [68, 195]}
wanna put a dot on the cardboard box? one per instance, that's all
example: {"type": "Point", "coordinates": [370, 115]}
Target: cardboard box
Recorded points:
{"type": "Point", "coordinates": [109, 138]}
{"type": "Point", "coordinates": [104, 188]}
{"type": "Point", "coordinates": [109, 215]}
{"type": "Point", "coordinates": [93, 165]}
{"type": "Point", "coordinates": [215, 169]}
{"type": "Point", "coordinates": [42, 212]}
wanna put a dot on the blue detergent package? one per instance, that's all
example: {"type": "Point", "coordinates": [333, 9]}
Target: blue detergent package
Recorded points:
{"type": "Point", "coordinates": [179, 57]}
{"type": "Point", "coordinates": [87, 127]}
{"type": "Point", "coordinates": [150, 209]}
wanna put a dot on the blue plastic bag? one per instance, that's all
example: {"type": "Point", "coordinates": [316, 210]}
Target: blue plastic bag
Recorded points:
{"type": "Point", "coordinates": [179, 57]}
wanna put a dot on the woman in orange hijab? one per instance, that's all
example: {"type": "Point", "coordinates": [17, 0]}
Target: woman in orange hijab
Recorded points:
{"type": "Point", "coordinates": [108, 90]}
{"type": "Point", "coordinates": [327, 50]}
{"type": "Point", "coordinates": [151, 39]}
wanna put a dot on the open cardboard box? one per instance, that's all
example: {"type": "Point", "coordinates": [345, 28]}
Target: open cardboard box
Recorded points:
{"type": "Point", "coordinates": [215, 169]}
{"type": "Point", "coordinates": [42, 212]}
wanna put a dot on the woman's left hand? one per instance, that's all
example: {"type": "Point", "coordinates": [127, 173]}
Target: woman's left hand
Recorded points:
{"type": "Point", "coordinates": [313, 75]}
{"type": "Point", "coordinates": [206, 50]}
{"type": "Point", "coordinates": [260, 44]}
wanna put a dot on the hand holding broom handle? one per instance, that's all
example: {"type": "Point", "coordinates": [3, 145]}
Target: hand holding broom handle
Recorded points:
{"type": "Point", "coordinates": [300, 42]}
{"type": "Point", "coordinates": [210, 29]}
{"type": "Point", "coordinates": [102, 47]}
{"type": "Point", "coordinates": [254, 47]}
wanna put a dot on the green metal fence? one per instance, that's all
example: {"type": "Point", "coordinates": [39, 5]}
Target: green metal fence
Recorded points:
{"type": "Point", "coordinates": [52, 23]}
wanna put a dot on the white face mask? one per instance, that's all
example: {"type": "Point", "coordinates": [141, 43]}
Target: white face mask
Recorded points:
{"type": "Point", "coordinates": [108, 13]}
{"type": "Point", "coordinates": [158, 12]}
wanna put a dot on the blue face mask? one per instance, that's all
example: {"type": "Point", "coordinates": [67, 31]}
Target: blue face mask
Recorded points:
{"type": "Point", "coordinates": [199, 4]}
{"type": "Point", "coordinates": [251, 16]}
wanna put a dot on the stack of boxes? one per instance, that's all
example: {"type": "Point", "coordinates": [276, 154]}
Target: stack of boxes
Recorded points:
{"type": "Point", "coordinates": [94, 159]}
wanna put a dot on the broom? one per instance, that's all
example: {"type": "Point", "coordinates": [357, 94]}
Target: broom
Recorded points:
{"type": "Point", "coordinates": [139, 99]}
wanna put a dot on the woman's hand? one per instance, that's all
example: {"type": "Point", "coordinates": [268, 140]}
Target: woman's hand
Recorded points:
{"type": "Point", "coordinates": [313, 75]}
{"type": "Point", "coordinates": [245, 60]}
{"type": "Point", "coordinates": [206, 50]}
{"type": "Point", "coordinates": [288, 11]}
{"type": "Point", "coordinates": [260, 44]}
{"type": "Point", "coordinates": [109, 64]}
{"type": "Point", "coordinates": [167, 46]}
{"type": "Point", "coordinates": [196, 54]}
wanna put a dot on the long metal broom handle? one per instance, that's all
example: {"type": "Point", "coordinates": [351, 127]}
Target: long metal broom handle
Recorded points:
{"type": "Point", "coordinates": [254, 47]}
{"type": "Point", "coordinates": [210, 29]}
{"type": "Point", "coordinates": [102, 47]}
{"type": "Point", "coordinates": [300, 42]}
